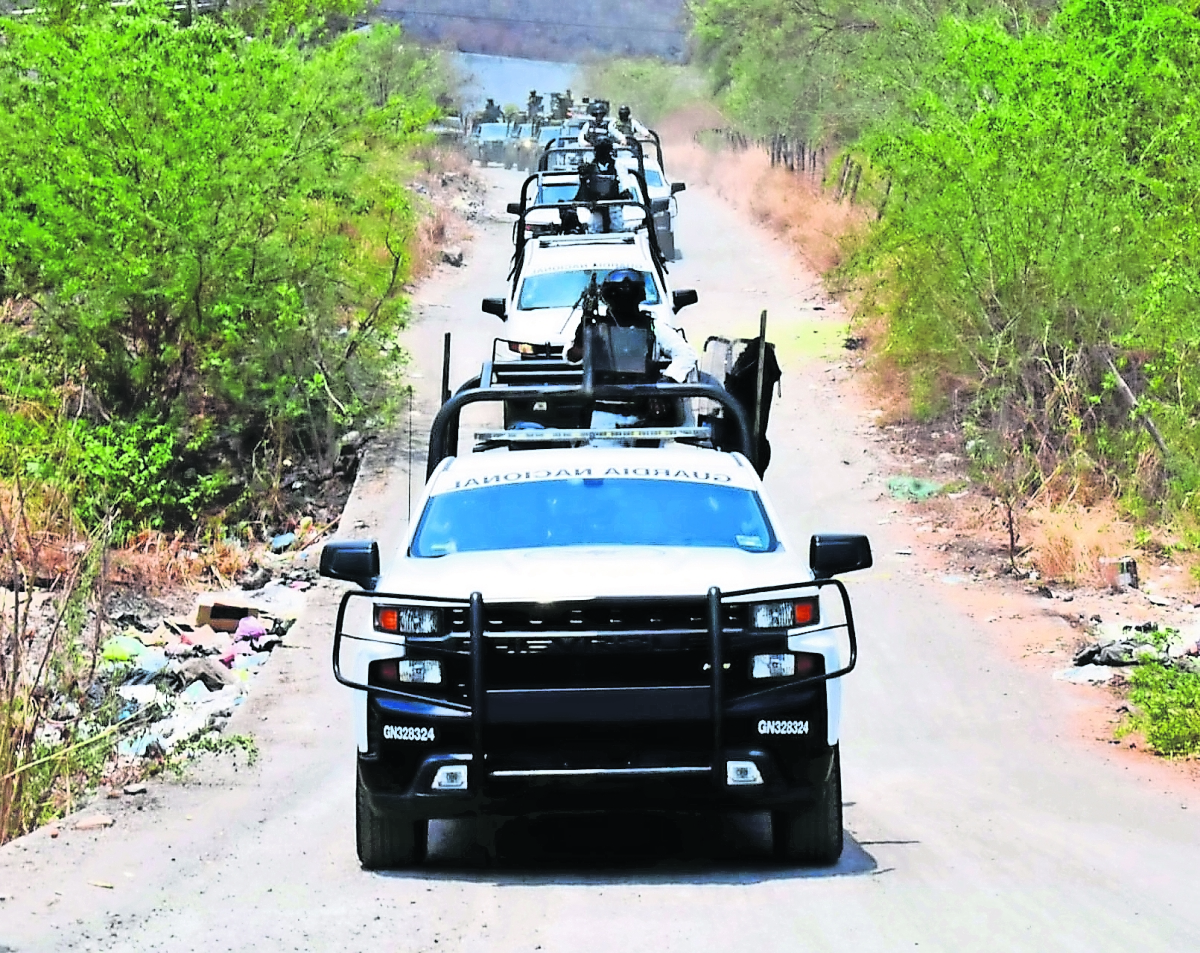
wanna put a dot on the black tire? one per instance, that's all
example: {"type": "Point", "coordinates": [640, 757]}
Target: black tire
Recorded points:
{"type": "Point", "coordinates": [387, 841]}
{"type": "Point", "coordinates": [813, 835]}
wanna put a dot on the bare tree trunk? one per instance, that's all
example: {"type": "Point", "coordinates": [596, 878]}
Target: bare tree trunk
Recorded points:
{"type": "Point", "coordinates": [1131, 400]}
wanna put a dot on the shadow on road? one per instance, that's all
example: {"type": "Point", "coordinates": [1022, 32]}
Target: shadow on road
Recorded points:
{"type": "Point", "coordinates": [621, 848]}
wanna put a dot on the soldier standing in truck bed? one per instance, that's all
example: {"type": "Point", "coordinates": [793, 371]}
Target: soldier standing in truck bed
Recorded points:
{"type": "Point", "coordinates": [492, 112]}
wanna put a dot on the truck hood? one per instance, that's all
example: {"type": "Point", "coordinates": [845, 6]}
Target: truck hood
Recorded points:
{"type": "Point", "coordinates": [542, 326]}
{"type": "Point", "coordinates": [577, 573]}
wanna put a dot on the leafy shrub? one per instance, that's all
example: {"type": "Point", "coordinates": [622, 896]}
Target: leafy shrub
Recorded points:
{"type": "Point", "coordinates": [215, 238]}
{"type": "Point", "coordinates": [1169, 703]}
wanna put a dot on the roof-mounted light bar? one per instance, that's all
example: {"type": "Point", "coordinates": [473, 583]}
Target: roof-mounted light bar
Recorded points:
{"type": "Point", "coordinates": [586, 435]}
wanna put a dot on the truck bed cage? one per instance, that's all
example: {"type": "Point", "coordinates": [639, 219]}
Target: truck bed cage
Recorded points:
{"type": "Point", "coordinates": [498, 383]}
{"type": "Point", "coordinates": [647, 223]}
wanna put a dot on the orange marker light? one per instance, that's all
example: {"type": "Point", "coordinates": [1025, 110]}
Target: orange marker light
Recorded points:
{"type": "Point", "coordinates": [388, 620]}
{"type": "Point", "coordinates": [806, 612]}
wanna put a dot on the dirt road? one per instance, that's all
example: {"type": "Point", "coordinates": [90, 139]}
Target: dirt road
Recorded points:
{"type": "Point", "coordinates": [976, 820]}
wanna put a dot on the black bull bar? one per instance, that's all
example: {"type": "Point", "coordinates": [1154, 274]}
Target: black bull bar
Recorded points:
{"type": "Point", "coordinates": [720, 703]}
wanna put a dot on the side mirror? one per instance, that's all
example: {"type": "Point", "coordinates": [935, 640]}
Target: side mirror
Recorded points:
{"type": "Point", "coordinates": [495, 306]}
{"type": "Point", "coordinates": [831, 554]}
{"type": "Point", "coordinates": [514, 208]}
{"type": "Point", "coordinates": [682, 298]}
{"type": "Point", "coordinates": [354, 560]}
{"type": "Point", "coordinates": [677, 187]}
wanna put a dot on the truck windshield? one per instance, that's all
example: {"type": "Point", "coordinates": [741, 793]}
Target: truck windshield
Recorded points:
{"type": "Point", "coordinates": [561, 289]}
{"type": "Point", "coordinates": [592, 512]}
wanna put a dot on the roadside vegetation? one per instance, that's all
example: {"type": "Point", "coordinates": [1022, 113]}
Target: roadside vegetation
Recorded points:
{"type": "Point", "coordinates": [1031, 172]}
{"type": "Point", "coordinates": [1021, 256]}
{"type": "Point", "coordinates": [204, 240]}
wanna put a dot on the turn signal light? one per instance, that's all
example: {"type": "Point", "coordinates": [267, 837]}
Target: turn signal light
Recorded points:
{"type": "Point", "coordinates": [784, 615]}
{"type": "Point", "coordinates": [414, 620]}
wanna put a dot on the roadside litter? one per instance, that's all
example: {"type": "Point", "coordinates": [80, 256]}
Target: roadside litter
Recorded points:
{"type": "Point", "coordinates": [912, 488]}
{"type": "Point", "coordinates": [186, 674]}
{"type": "Point", "coordinates": [1122, 644]}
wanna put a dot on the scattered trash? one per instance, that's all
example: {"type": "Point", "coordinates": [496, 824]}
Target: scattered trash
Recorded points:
{"type": "Point", "coordinates": [453, 257]}
{"type": "Point", "coordinates": [912, 488]}
{"type": "Point", "coordinates": [94, 822]}
{"type": "Point", "coordinates": [904, 551]}
{"type": "Point", "coordinates": [250, 627]}
{"type": "Point", "coordinates": [208, 671]}
{"type": "Point", "coordinates": [101, 883]}
{"type": "Point", "coordinates": [256, 579]}
{"type": "Point", "coordinates": [282, 542]}
{"type": "Point", "coordinates": [141, 695]}
{"type": "Point", "coordinates": [1121, 652]}
{"type": "Point", "coordinates": [134, 789]}
{"type": "Point", "coordinates": [121, 648]}
{"type": "Point", "coordinates": [224, 616]}
{"type": "Point", "coordinates": [1086, 674]}
{"type": "Point", "coordinates": [1120, 573]}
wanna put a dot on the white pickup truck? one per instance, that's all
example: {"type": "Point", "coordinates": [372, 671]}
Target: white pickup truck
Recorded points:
{"type": "Point", "coordinates": [593, 627]}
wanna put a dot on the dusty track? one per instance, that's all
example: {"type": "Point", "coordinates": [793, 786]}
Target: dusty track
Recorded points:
{"type": "Point", "coordinates": [977, 821]}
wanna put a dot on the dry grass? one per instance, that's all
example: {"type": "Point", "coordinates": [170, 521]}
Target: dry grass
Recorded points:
{"type": "Point", "coordinates": [1068, 542]}
{"type": "Point", "coordinates": [445, 173]}
{"type": "Point", "coordinates": [156, 562]}
{"type": "Point", "coordinates": [793, 206]}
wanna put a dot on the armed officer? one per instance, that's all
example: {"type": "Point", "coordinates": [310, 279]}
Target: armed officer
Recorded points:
{"type": "Point", "coordinates": [492, 112]}
{"type": "Point", "coordinates": [624, 293]}
{"type": "Point", "coordinates": [600, 181]}
{"type": "Point", "coordinates": [629, 127]}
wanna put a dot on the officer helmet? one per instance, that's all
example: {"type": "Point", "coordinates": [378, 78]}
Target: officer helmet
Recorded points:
{"type": "Point", "coordinates": [624, 113]}
{"type": "Point", "coordinates": [623, 287]}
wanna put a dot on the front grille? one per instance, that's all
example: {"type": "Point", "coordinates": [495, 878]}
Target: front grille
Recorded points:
{"type": "Point", "coordinates": [634, 660]}
{"type": "Point", "coordinates": [599, 615]}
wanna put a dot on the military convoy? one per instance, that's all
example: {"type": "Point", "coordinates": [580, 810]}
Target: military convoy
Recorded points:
{"type": "Point", "coordinates": [596, 606]}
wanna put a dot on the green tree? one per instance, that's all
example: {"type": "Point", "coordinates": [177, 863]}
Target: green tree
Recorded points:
{"type": "Point", "coordinates": [211, 228]}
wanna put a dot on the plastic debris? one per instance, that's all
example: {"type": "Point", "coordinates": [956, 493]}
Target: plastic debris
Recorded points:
{"type": "Point", "coordinates": [250, 627]}
{"type": "Point", "coordinates": [1086, 674]}
{"type": "Point", "coordinates": [210, 672]}
{"type": "Point", "coordinates": [282, 542]}
{"type": "Point", "coordinates": [121, 648]}
{"type": "Point", "coordinates": [248, 661]}
{"type": "Point", "coordinates": [93, 822]}
{"type": "Point", "coordinates": [912, 488]}
{"type": "Point", "coordinates": [141, 695]}
{"type": "Point", "coordinates": [196, 692]}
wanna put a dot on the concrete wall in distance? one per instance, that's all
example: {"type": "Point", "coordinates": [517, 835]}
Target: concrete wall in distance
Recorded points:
{"type": "Point", "coordinates": [565, 30]}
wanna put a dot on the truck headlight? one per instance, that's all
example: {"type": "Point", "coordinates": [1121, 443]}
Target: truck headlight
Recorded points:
{"type": "Point", "coordinates": [410, 620]}
{"type": "Point", "coordinates": [786, 665]}
{"type": "Point", "coordinates": [773, 666]}
{"type": "Point", "coordinates": [784, 615]}
{"type": "Point", "coordinates": [409, 671]}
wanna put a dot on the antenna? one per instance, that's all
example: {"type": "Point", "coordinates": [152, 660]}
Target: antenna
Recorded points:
{"type": "Point", "coordinates": [410, 429]}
